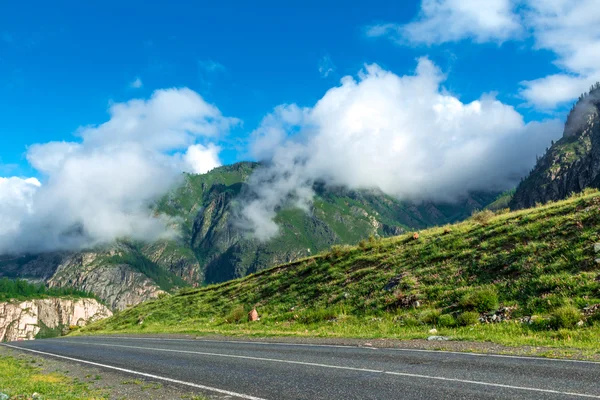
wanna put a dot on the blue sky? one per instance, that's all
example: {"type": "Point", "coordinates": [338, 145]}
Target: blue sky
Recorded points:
{"type": "Point", "coordinates": [105, 104]}
{"type": "Point", "coordinates": [61, 64]}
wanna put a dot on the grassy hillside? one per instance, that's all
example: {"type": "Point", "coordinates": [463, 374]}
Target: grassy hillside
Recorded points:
{"type": "Point", "coordinates": [540, 263]}
{"type": "Point", "coordinates": [502, 201]}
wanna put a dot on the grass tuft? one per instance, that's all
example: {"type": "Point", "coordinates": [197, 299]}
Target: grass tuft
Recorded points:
{"type": "Point", "coordinates": [468, 318]}
{"type": "Point", "coordinates": [481, 300]}
{"type": "Point", "coordinates": [565, 317]}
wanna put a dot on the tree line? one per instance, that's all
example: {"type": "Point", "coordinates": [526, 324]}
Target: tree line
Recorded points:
{"type": "Point", "coordinates": [18, 289]}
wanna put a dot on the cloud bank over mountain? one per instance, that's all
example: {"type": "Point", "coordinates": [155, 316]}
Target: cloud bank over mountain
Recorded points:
{"type": "Point", "coordinates": [405, 135]}
{"type": "Point", "coordinates": [101, 186]}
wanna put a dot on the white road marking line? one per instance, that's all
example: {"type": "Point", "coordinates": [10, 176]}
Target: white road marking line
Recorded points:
{"type": "Point", "coordinates": [129, 371]}
{"type": "Point", "coordinates": [492, 384]}
{"type": "Point", "coordinates": [406, 374]}
{"type": "Point", "coordinates": [228, 356]}
{"type": "Point", "coordinates": [530, 358]}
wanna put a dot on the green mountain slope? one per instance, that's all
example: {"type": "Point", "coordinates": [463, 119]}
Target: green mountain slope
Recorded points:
{"type": "Point", "coordinates": [207, 205]}
{"type": "Point", "coordinates": [539, 263]}
{"type": "Point", "coordinates": [212, 246]}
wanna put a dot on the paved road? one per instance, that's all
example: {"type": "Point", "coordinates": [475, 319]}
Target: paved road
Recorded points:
{"type": "Point", "coordinates": [285, 371]}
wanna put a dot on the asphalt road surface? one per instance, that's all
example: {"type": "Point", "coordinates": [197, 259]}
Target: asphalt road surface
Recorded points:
{"type": "Point", "coordinates": [251, 370]}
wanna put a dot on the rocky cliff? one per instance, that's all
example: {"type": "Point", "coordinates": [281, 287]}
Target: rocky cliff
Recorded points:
{"type": "Point", "coordinates": [569, 165]}
{"type": "Point", "coordinates": [27, 320]}
{"type": "Point", "coordinates": [105, 273]}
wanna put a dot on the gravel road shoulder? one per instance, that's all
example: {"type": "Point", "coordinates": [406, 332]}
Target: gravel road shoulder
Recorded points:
{"type": "Point", "coordinates": [113, 385]}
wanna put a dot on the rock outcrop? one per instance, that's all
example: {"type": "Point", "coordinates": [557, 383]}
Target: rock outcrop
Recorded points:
{"type": "Point", "coordinates": [25, 320]}
{"type": "Point", "coordinates": [569, 165]}
{"type": "Point", "coordinates": [119, 285]}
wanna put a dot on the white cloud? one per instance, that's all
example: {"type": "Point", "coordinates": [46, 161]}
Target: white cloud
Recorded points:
{"type": "Point", "coordinates": [443, 21]}
{"type": "Point", "coordinates": [568, 28]}
{"type": "Point", "coordinates": [326, 66]}
{"type": "Point", "coordinates": [546, 93]}
{"type": "Point", "coordinates": [402, 134]}
{"type": "Point", "coordinates": [16, 197]}
{"type": "Point", "coordinates": [102, 186]}
{"type": "Point", "coordinates": [201, 159]}
{"type": "Point", "coordinates": [571, 30]}
{"type": "Point", "coordinates": [170, 119]}
{"type": "Point", "coordinates": [136, 83]}
{"type": "Point", "coordinates": [48, 157]}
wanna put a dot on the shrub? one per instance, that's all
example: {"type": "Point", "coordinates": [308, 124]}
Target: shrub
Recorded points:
{"type": "Point", "coordinates": [547, 303]}
{"type": "Point", "coordinates": [468, 318]}
{"type": "Point", "coordinates": [337, 251]}
{"type": "Point", "coordinates": [565, 317]}
{"type": "Point", "coordinates": [430, 317]}
{"type": "Point", "coordinates": [236, 314]}
{"type": "Point", "coordinates": [446, 320]}
{"type": "Point", "coordinates": [482, 217]}
{"type": "Point", "coordinates": [482, 300]}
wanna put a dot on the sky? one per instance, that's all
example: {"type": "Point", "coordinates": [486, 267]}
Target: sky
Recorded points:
{"type": "Point", "coordinates": [430, 98]}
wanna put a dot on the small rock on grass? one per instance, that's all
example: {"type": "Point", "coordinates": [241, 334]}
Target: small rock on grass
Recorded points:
{"type": "Point", "coordinates": [432, 338]}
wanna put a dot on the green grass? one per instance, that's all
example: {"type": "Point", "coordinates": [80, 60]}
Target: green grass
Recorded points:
{"type": "Point", "coordinates": [502, 201]}
{"type": "Point", "coordinates": [20, 380]}
{"type": "Point", "coordinates": [540, 261]}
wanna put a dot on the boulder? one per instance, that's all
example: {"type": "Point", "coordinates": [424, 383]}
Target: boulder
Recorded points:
{"type": "Point", "coordinates": [253, 315]}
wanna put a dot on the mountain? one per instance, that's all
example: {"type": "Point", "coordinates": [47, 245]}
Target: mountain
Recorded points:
{"type": "Point", "coordinates": [572, 163]}
{"type": "Point", "coordinates": [213, 248]}
{"type": "Point", "coordinates": [534, 270]}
